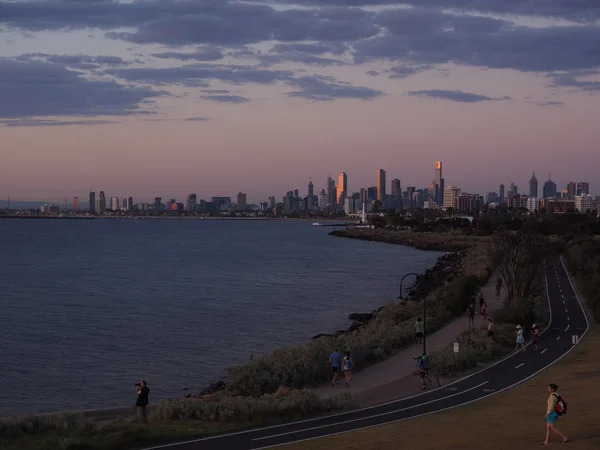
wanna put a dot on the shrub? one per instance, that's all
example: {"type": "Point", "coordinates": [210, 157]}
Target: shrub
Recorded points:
{"type": "Point", "coordinates": [283, 404]}
{"type": "Point", "coordinates": [37, 425]}
{"type": "Point", "coordinates": [459, 292]}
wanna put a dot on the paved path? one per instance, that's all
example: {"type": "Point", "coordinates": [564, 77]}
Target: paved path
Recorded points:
{"type": "Point", "coordinates": [567, 318]}
{"type": "Point", "coordinates": [377, 381]}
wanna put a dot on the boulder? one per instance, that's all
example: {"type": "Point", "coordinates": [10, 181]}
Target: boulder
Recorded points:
{"type": "Point", "coordinates": [360, 317]}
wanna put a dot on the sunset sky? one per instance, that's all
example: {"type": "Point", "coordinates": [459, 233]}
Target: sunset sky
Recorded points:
{"type": "Point", "coordinates": [168, 97]}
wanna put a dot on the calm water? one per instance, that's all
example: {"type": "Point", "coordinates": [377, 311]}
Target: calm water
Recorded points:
{"type": "Point", "coordinates": [87, 308]}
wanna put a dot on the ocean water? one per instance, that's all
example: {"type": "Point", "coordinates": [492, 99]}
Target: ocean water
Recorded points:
{"type": "Point", "coordinates": [88, 308]}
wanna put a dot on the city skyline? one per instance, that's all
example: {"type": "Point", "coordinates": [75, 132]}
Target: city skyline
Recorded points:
{"type": "Point", "coordinates": [179, 97]}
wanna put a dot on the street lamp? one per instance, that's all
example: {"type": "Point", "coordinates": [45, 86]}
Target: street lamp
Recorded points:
{"type": "Point", "coordinates": [424, 308]}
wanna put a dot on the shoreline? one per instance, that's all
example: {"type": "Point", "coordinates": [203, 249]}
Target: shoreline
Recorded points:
{"type": "Point", "coordinates": [446, 267]}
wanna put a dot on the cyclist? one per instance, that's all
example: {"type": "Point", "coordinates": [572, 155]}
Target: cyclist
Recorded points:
{"type": "Point", "coordinates": [423, 366]}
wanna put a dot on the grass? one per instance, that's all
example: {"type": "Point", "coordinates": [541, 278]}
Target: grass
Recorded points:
{"type": "Point", "coordinates": [513, 420]}
{"type": "Point", "coordinates": [170, 421]}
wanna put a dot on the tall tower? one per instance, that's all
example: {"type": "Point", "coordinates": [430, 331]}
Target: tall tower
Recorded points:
{"type": "Point", "coordinates": [501, 194]}
{"type": "Point", "coordinates": [311, 189]}
{"type": "Point", "coordinates": [533, 186]}
{"type": "Point", "coordinates": [381, 185]}
{"type": "Point", "coordinates": [439, 181]}
{"type": "Point", "coordinates": [331, 191]}
{"type": "Point", "coordinates": [342, 188]}
{"type": "Point", "coordinates": [92, 204]}
{"type": "Point", "coordinates": [75, 204]}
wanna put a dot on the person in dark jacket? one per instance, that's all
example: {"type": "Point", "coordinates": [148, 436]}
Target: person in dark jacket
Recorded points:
{"type": "Point", "coordinates": [141, 403]}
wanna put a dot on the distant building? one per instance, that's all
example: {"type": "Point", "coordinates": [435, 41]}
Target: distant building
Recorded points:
{"type": "Point", "coordinates": [518, 201]}
{"type": "Point", "coordinates": [191, 202]}
{"type": "Point", "coordinates": [372, 193]}
{"type": "Point", "coordinates": [75, 204]}
{"type": "Point", "coordinates": [331, 191]}
{"type": "Point", "coordinates": [342, 188]}
{"type": "Point", "coordinates": [381, 183]}
{"type": "Point", "coordinates": [549, 189]}
{"type": "Point", "coordinates": [157, 204]}
{"type": "Point", "coordinates": [532, 204]}
{"type": "Point", "coordinates": [571, 190]}
{"type": "Point", "coordinates": [583, 203]}
{"type": "Point", "coordinates": [492, 197]}
{"type": "Point", "coordinates": [553, 205]}
{"type": "Point", "coordinates": [241, 202]}
{"type": "Point", "coordinates": [451, 193]}
{"type": "Point", "coordinates": [92, 202]}
{"type": "Point", "coordinates": [323, 199]}
{"type": "Point", "coordinates": [533, 186]}
{"type": "Point", "coordinates": [501, 194]}
{"type": "Point", "coordinates": [468, 203]}
{"type": "Point", "coordinates": [101, 203]}
{"type": "Point", "coordinates": [129, 203]}
{"type": "Point", "coordinates": [583, 188]}
{"type": "Point", "coordinates": [222, 203]}
{"type": "Point", "coordinates": [311, 189]}
{"type": "Point", "coordinates": [439, 181]}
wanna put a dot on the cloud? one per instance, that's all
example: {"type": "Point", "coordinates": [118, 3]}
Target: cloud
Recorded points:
{"type": "Point", "coordinates": [80, 61]}
{"type": "Point", "coordinates": [373, 73]}
{"type": "Point", "coordinates": [549, 103]}
{"type": "Point", "coordinates": [41, 89]}
{"type": "Point", "coordinates": [406, 71]}
{"type": "Point", "coordinates": [216, 91]}
{"type": "Point", "coordinates": [226, 98]}
{"type": "Point", "coordinates": [321, 88]}
{"type": "Point", "coordinates": [49, 123]}
{"type": "Point", "coordinates": [573, 79]}
{"type": "Point", "coordinates": [455, 96]}
{"type": "Point", "coordinates": [203, 54]}
{"type": "Point", "coordinates": [196, 119]}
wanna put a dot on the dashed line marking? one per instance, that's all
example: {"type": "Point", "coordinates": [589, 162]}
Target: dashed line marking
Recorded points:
{"type": "Point", "coordinates": [568, 318]}
{"type": "Point", "coordinates": [558, 338]}
{"type": "Point", "coordinates": [522, 364]}
{"type": "Point", "coordinates": [543, 351]}
{"type": "Point", "coordinates": [568, 326]}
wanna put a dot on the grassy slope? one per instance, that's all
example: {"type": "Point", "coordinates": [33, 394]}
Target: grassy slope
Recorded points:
{"type": "Point", "coordinates": [512, 420]}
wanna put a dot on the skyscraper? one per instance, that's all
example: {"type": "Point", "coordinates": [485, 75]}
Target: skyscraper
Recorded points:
{"type": "Point", "coordinates": [342, 188]}
{"type": "Point", "coordinates": [130, 204]}
{"type": "Point", "coordinates": [583, 188]}
{"type": "Point", "coordinates": [192, 201]}
{"type": "Point", "coordinates": [501, 195]}
{"type": "Point", "coordinates": [381, 185]}
{"type": "Point", "coordinates": [241, 202]}
{"type": "Point", "coordinates": [114, 203]}
{"type": "Point", "coordinates": [157, 204]}
{"type": "Point", "coordinates": [533, 186]}
{"type": "Point", "coordinates": [549, 188]}
{"type": "Point", "coordinates": [311, 189]}
{"type": "Point", "coordinates": [101, 203]}
{"type": "Point", "coordinates": [571, 190]}
{"type": "Point", "coordinates": [396, 188]}
{"type": "Point", "coordinates": [439, 181]}
{"type": "Point", "coordinates": [92, 202]}
{"type": "Point", "coordinates": [331, 191]}
{"type": "Point", "coordinates": [75, 204]}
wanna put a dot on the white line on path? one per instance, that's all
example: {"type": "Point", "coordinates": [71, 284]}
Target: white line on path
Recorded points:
{"type": "Point", "coordinates": [304, 430]}
{"type": "Point", "coordinates": [558, 338]}
{"type": "Point", "coordinates": [568, 318]}
{"type": "Point", "coordinates": [566, 310]}
{"type": "Point", "coordinates": [568, 326]}
{"type": "Point", "coordinates": [522, 364]}
{"type": "Point", "coordinates": [543, 351]}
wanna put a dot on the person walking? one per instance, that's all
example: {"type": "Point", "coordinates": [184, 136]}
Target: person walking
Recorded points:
{"type": "Point", "coordinates": [347, 366]}
{"type": "Point", "coordinates": [481, 300]}
{"type": "Point", "coordinates": [419, 331]}
{"type": "Point", "coordinates": [471, 313]}
{"type": "Point", "coordinates": [552, 414]}
{"type": "Point", "coordinates": [490, 328]}
{"type": "Point", "coordinates": [520, 338]}
{"type": "Point", "coordinates": [535, 335]}
{"type": "Point", "coordinates": [141, 403]}
{"type": "Point", "coordinates": [334, 362]}
{"type": "Point", "coordinates": [484, 313]}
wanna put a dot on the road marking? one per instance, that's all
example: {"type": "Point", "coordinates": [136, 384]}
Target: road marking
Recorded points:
{"type": "Point", "coordinates": [558, 338]}
{"type": "Point", "coordinates": [543, 351]}
{"type": "Point", "coordinates": [520, 365]}
{"type": "Point", "coordinates": [365, 418]}
{"type": "Point", "coordinates": [488, 390]}
{"type": "Point", "coordinates": [451, 389]}
{"type": "Point", "coordinates": [566, 310]}
{"type": "Point", "coordinates": [567, 329]}
{"type": "Point", "coordinates": [568, 318]}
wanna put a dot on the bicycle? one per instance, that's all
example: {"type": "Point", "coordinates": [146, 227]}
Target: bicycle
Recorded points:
{"type": "Point", "coordinates": [429, 375]}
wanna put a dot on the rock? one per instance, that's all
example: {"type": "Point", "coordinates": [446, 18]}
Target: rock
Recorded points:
{"type": "Point", "coordinates": [214, 387]}
{"type": "Point", "coordinates": [360, 317]}
{"type": "Point", "coordinates": [319, 336]}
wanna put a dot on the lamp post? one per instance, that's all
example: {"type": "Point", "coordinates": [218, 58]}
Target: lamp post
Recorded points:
{"type": "Point", "coordinates": [424, 308]}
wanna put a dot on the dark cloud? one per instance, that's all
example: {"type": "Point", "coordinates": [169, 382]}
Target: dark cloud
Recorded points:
{"type": "Point", "coordinates": [226, 98]}
{"type": "Point", "coordinates": [200, 74]}
{"type": "Point", "coordinates": [373, 73]}
{"type": "Point", "coordinates": [406, 71]}
{"type": "Point", "coordinates": [313, 49]}
{"type": "Point", "coordinates": [216, 91]}
{"type": "Point", "coordinates": [38, 89]}
{"type": "Point", "coordinates": [320, 88]}
{"type": "Point", "coordinates": [196, 119]}
{"type": "Point", "coordinates": [299, 57]}
{"type": "Point", "coordinates": [549, 103]}
{"type": "Point", "coordinates": [203, 54]}
{"type": "Point", "coordinates": [51, 123]}
{"type": "Point", "coordinates": [81, 61]}
{"type": "Point", "coordinates": [455, 96]}
{"type": "Point", "coordinates": [573, 79]}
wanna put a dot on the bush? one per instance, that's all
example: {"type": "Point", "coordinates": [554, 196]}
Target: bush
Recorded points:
{"type": "Point", "coordinates": [37, 425]}
{"type": "Point", "coordinates": [283, 405]}
{"type": "Point", "coordinates": [459, 292]}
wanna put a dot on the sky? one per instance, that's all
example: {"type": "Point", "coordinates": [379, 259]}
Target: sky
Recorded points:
{"type": "Point", "coordinates": [168, 97]}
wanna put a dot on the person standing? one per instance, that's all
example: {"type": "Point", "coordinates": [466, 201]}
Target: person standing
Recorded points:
{"type": "Point", "coordinates": [347, 366]}
{"type": "Point", "coordinates": [471, 313]}
{"type": "Point", "coordinates": [552, 414]}
{"type": "Point", "coordinates": [419, 331]}
{"type": "Point", "coordinates": [535, 335]}
{"type": "Point", "coordinates": [484, 313]}
{"type": "Point", "coordinates": [490, 328]}
{"type": "Point", "coordinates": [481, 300]}
{"type": "Point", "coordinates": [334, 362]}
{"type": "Point", "coordinates": [520, 338]}
{"type": "Point", "coordinates": [141, 403]}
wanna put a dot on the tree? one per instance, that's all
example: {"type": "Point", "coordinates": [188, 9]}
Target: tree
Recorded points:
{"type": "Point", "coordinates": [519, 258]}
{"type": "Point", "coordinates": [377, 205]}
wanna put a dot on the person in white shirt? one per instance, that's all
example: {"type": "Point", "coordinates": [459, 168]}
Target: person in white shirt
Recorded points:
{"type": "Point", "coordinates": [347, 366]}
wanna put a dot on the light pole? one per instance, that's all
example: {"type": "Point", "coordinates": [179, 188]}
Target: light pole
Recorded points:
{"type": "Point", "coordinates": [424, 308]}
